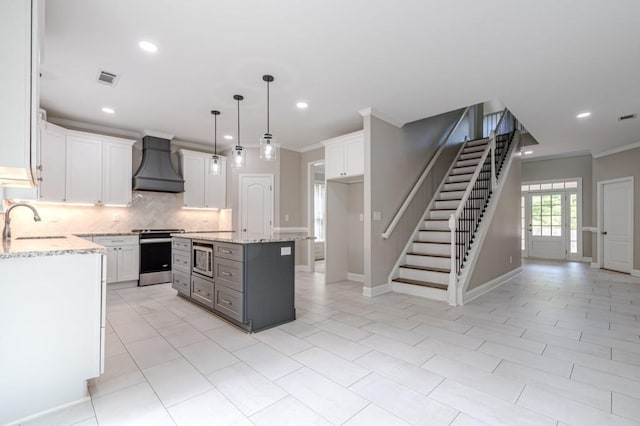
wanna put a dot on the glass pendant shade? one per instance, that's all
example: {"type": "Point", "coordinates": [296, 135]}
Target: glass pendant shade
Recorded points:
{"type": "Point", "coordinates": [238, 157]}
{"type": "Point", "coordinates": [215, 165]}
{"type": "Point", "coordinates": [268, 148]}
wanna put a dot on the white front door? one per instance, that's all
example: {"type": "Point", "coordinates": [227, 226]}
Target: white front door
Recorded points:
{"type": "Point", "coordinates": [546, 230]}
{"type": "Point", "coordinates": [617, 225]}
{"type": "Point", "coordinates": [256, 206]}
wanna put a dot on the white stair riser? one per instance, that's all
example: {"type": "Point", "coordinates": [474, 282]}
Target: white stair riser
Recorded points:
{"type": "Point", "coordinates": [430, 276]}
{"type": "Point", "coordinates": [473, 149]}
{"type": "Point", "coordinates": [447, 204]}
{"type": "Point", "coordinates": [426, 248]}
{"type": "Point", "coordinates": [418, 290]}
{"type": "Point", "coordinates": [463, 170]}
{"type": "Point", "coordinates": [436, 225]}
{"type": "Point", "coordinates": [440, 214]}
{"type": "Point", "coordinates": [466, 163]}
{"type": "Point", "coordinates": [471, 156]}
{"type": "Point", "coordinates": [429, 262]}
{"type": "Point", "coordinates": [434, 237]}
{"type": "Point", "coordinates": [460, 178]}
{"type": "Point", "coordinates": [462, 186]}
{"type": "Point", "coordinates": [455, 195]}
{"type": "Point", "coordinates": [478, 142]}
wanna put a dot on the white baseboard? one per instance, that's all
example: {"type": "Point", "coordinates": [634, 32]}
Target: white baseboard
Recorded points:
{"type": "Point", "coordinates": [49, 411]}
{"type": "Point", "coordinates": [595, 265]}
{"type": "Point", "coordinates": [303, 268]}
{"type": "Point", "coordinates": [635, 272]}
{"type": "Point", "coordinates": [376, 291]}
{"type": "Point", "coordinates": [490, 285]}
{"type": "Point", "coordinates": [587, 260]}
{"type": "Point", "coordinates": [355, 277]}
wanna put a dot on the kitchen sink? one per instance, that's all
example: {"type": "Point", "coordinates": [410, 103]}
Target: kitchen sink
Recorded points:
{"type": "Point", "coordinates": [49, 237]}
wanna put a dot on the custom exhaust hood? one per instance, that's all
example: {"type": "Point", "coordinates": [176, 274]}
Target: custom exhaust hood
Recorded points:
{"type": "Point", "coordinates": [156, 173]}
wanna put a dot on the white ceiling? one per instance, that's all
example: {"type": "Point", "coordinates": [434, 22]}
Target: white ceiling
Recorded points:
{"type": "Point", "coordinates": [547, 60]}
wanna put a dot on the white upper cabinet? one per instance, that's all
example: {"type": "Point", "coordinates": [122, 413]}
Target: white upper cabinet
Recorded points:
{"type": "Point", "coordinates": [215, 186]}
{"type": "Point", "coordinates": [19, 75]}
{"type": "Point", "coordinates": [203, 190]}
{"type": "Point", "coordinates": [344, 156]}
{"type": "Point", "coordinates": [117, 170]}
{"type": "Point", "coordinates": [84, 170]}
{"type": "Point", "coordinates": [53, 160]}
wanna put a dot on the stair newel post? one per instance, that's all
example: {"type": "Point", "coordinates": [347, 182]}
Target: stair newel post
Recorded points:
{"type": "Point", "coordinates": [492, 147]}
{"type": "Point", "coordinates": [453, 274]}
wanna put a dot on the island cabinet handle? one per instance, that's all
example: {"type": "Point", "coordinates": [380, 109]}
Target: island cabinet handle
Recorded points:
{"type": "Point", "coordinates": [226, 301]}
{"type": "Point", "coordinates": [225, 251]}
{"type": "Point", "coordinates": [228, 274]}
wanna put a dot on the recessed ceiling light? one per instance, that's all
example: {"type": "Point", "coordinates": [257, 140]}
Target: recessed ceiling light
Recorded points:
{"type": "Point", "coordinates": [147, 46]}
{"type": "Point", "coordinates": [528, 152]}
{"type": "Point", "coordinates": [108, 110]}
{"type": "Point", "coordinates": [583, 115]}
{"type": "Point", "coordinates": [302, 105]}
{"type": "Point", "coordinates": [228, 137]}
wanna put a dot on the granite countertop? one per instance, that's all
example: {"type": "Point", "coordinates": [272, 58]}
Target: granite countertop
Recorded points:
{"type": "Point", "coordinates": [47, 246]}
{"type": "Point", "coordinates": [230, 237]}
{"type": "Point", "coordinates": [104, 234]}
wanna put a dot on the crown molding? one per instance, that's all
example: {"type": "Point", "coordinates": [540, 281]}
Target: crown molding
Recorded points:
{"type": "Point", "coordinates": [308, 148]}
{"type": "Point", "coordinates": [382, 116]}
{"type": "Point", "coordinates": [555, 156]}
{"type": "Point", "coordinates": [157, 134]}
{"type": "Point", "coordinates": [94, 127]}
{"type": "Point", "coordinates": [617, 150]}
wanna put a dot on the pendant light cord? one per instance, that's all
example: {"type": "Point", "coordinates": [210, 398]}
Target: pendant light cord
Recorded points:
{"type": "Point", "coordinates": [215, 135]}
{"type": "Point", "coordinates": [238, 121]}
{"type": "Point", "coordinates": [268, 107]}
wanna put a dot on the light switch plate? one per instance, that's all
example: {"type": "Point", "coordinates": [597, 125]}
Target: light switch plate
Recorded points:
{"type": "Point", "coordinates": [285, 251]}
{"type": "Point", "coordinates": [377, 216]}
{"type": "Point", "coordinates": [361, 217]}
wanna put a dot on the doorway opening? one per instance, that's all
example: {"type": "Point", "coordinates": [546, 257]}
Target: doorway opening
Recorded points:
{"type": "Point", "coordinates": [317, 192]}
{"type": "Point", "coordinates": [551, 219]}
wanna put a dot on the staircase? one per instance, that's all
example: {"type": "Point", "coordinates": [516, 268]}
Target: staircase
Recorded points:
{"type": "Point", "coordinates": [428, 264]}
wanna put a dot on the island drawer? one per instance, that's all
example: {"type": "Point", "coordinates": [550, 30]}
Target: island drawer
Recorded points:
{"type": "Point", "coordinates": [181, 260]}
{"type": "Point", "coordinates": [202, 291]}
{"type": "Point", "coordinates": [229, 251]}
{"type": "Point", "coordinates": [117, 241]}
{"type": "Point", "coordinates": [228, 273]}
{"type": "Point", "coordinates": [181, 244]}
{"type": "Point", "coordinates": [229, 302]}
{"type": "Point", "coordinates": [181, 283]}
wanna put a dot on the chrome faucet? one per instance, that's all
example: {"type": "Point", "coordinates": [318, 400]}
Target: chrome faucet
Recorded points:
{"type": "Point", "coordinates": [6, 232]}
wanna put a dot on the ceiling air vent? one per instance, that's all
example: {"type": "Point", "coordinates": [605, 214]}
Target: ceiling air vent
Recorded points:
{"type": "Point", "coordinates": [627, 117]}
{"type": "Point", "coordinates": [108, 78]}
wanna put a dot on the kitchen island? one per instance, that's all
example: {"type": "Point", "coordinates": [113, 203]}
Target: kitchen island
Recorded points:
{"type": "Point", "coordinates": [52, 319]}
{"type": "Point", "coordinates": [249, 282]}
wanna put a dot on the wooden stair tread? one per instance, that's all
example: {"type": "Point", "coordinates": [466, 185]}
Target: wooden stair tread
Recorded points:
{"type": "Point", "coordinates": [444, 256]}
{"type": "Point", "coordinates": [421, 283]}
{"type": "Point", "coordinates": [425, 268]}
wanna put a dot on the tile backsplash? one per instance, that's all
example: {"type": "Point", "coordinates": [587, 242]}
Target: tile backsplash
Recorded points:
{"type": "Point", "coordinates": [148, 210]}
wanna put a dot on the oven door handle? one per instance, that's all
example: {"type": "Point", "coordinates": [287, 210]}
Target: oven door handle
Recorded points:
{"type": "Point", "coordinates": [155, 240]}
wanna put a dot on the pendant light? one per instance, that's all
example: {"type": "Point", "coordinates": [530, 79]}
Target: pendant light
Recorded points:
{"type": "Point", "coordinates": [238, 155]}
{"type": "Point", "coordinates": [215, 159]}
{"type": "Point", "coordinates": [268, 145]}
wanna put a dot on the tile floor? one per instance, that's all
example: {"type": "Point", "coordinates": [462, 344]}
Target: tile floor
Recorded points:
{"type": "Point", "coordinates": [559, 344]}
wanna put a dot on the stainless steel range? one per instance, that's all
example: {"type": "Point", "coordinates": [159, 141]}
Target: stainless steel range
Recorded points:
{"type": "Point", "coordinates": [155, 255]}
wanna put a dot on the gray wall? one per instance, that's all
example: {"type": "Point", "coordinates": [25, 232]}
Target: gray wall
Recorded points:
{"type": "Point", "coordinates": [337, 232]}
{"type": "Point", "coordinates": [500, 251]}
{"type": "Point", "coordinates": [615, 166]}
{"type": "Point", "coordinates": [565, 168]}
{"type": "Point", "coordinates": [291, 182]}
{"type": "Point", "coordinates": [394, 160]}
{"type": "Point", "coordinates": [355, 236]}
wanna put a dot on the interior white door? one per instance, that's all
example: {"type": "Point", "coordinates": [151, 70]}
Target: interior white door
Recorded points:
{"type": "Point", "coordinates": [256, 206]}
{"type": "Point", "coordinates": [546, 239]}
{"type": "Point", "coordinates": [617, 225]}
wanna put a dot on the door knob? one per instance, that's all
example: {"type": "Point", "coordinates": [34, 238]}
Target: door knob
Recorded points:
{"type": "Point", "coordinates": [244, 230]}
{"type": "Point", "coordinates": [604, 232]}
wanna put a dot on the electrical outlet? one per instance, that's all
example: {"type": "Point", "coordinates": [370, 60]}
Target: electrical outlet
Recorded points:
{"type": "Point", "coordinates": [510, 260]}
{"type": "Point", "coordinates": [286, 218]}
{"type": "Point", "coordinates": [55, 218]}
{"type": "Point", "coordinates": [377, 216]}
{"type": "Point", "coordinates": [361, 217]}
{"type": "Point", "coordinates": [116, 218]}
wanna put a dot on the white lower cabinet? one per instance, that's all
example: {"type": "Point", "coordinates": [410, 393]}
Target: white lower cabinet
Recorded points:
{"type": "Point", "coordinates": [123, 257]}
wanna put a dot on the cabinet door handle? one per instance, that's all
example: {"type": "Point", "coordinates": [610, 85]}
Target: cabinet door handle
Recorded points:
{"type": "Point", "coordinates": [228, 274]}
{"type": "Point", "coordinates": [227, 251]}
{"type": "Point", "coordinates": [226, 301]}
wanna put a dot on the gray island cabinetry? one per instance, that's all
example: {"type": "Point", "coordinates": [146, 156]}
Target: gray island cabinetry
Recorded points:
{"type": "Point", "coordinates": [247, 282]}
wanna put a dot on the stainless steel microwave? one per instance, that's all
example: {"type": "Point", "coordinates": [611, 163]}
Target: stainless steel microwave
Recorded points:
{"type": "Point", "coordinates": [203, 258]}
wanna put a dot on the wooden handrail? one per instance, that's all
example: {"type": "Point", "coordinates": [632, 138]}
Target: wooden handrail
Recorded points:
{"type": "Point", "coordinates": [403, 208]}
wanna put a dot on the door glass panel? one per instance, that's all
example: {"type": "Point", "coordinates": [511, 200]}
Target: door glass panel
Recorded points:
{"type": "Point", "coordinates": [546, 215]}
{"type": "Point", "coordinates": [522, 222]}
{"type": "Point", "coordinates": [573, 223]}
